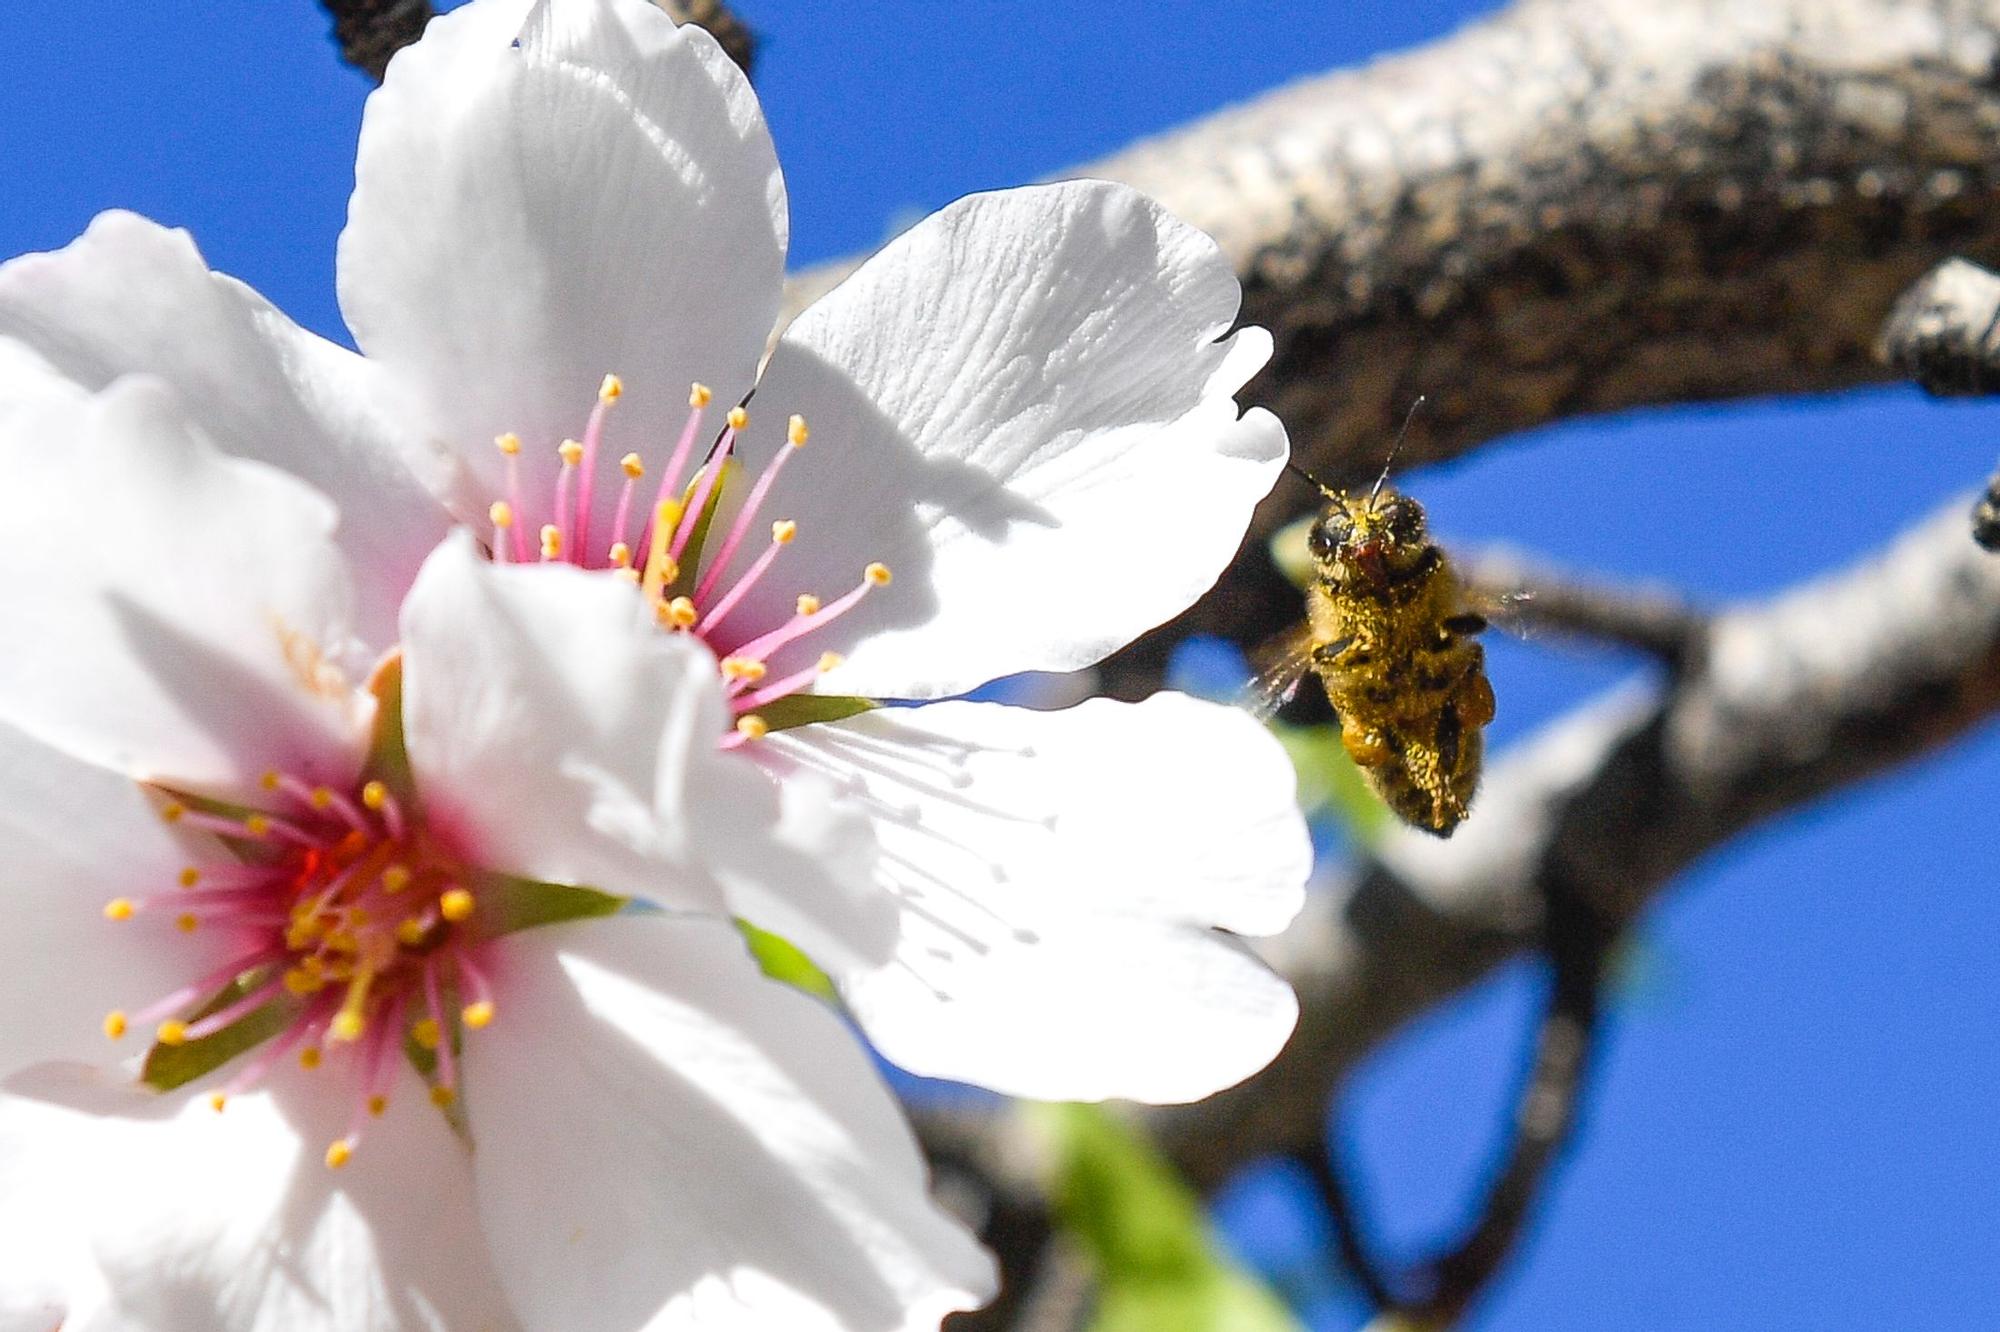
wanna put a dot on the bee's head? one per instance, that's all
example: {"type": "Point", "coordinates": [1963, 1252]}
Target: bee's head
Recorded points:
{"type": "Point", "coordinates": [1378, 537]}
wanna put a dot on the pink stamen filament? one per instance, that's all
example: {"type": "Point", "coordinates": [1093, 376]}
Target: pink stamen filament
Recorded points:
{"type": "Point", "coordinates": [711, 472]}
{"type": "Point", "coordinates": [721, 609]}
{"type": "Point", "coordinates": [324, 798]}
{"type": "Point", "coordinates": [206, 986]}
{"type": "Point", "coordinates": [313, 1022]}
{"type": "Point", "coordinates": [235, 1012]}
{"type": "Point", "coordinates": [520, 510]}
{"type": "Point", "coordinates": [761, 647]}
{"type": "Point", "coordinates": [791, 684]}
{"type": "Point", "coordinates": [593, 436]}
{"type": "Point", "coordinates": [741, 526]}
{"type": "Point", "coordinates": [447, 1066]}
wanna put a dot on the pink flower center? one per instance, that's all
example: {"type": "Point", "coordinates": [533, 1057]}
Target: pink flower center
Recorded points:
{"type": "Point", "coordinates": [357, 934]}
{"type": "Point", "coordinates": [660, 546]}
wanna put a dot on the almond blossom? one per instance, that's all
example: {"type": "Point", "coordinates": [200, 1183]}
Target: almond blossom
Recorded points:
{"type": "Point", "coordinates": [1008, 442]}
{"type": "Point", "coordinates": [321, 1011]}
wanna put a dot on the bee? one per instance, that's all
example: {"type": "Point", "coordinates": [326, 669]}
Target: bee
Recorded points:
{"type": "Point", "coordinates": [1392, 635]}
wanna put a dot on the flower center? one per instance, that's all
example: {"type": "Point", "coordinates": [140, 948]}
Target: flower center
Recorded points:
{"type": "Point", "coordinates": [666, 549]}
{"type": "Point", "coordinates": [357, 933]}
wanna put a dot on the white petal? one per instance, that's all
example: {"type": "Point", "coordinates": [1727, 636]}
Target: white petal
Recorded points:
{"type": "Point", "coordinates": [131, 297]}
{"type": "Point", "coordinates": [555, 728]}
{"type": "Point", "coordinates": [73, 837]}
{"type": "Point", "coordinates": [170, 612]}
{"type": "Point", "coordinates": [233, 1223]}
{"type": "Point", "coordinates": [667, 1140]}
{"type": "Point", "coordinates": [599, 196]}
{"type": "Point", "coordinates": [1062, 877]}
{"type": "Point", "coordinates": [1023, 406]}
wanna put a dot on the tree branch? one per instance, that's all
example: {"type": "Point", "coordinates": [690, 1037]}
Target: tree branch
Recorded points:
{"type": "Point", "coordinates": [1653, 620]}
{"type": "Point", "coordinates": [1788, 700]}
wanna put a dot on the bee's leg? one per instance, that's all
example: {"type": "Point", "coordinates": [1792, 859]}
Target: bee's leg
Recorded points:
{"type": "Point", "coordinates": [1328, 654]}
{"type": "Point", "coordinates": [1364, 744]}
{"type": "Point", "coordinates": [1450, 731]}
{"type": "Point", "coordinates": [1465, 623]}
{"type": "Point", "coordinates": [1475, 700]}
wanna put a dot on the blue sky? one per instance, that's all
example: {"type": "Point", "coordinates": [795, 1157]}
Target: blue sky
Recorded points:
{"type": "Point", "coordinates": [1794, 1124]}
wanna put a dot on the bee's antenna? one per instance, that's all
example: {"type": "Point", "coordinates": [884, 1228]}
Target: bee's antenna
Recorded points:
{"type": "Point", "coordinates": [1304, 475]}
{"type": "Point", "coordinates": [1395, 448]}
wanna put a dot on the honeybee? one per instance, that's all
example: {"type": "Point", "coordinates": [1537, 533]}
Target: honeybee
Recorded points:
{"type": "Point", "coordinates": [1391, 634]}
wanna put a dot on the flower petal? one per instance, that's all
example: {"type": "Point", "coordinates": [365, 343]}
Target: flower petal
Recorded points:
{"type": "Point", "coordinates": [1062, 877]}
{"type": "Point", "coordinates": [555, 727]}
{"type": "Point", "coordinates": [668, 1140]}
{"type": "Point", "coordinates": [171, 612]}
{"type": "Point", "coordinates": [1023, 406]}
{"type": "Point", "coordinates": [232, 1223]}
{"type": "Point", "coordinates": [131, 297]}
{"type": "Point", "coordinates": [548, 195]}
{"type": "Point", "coordinates": [73, 837]}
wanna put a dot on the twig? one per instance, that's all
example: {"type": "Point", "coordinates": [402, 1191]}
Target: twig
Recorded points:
{"type": "Point", "coordinates": [1944, 332]}
{"type": "Point", "coordinates": [370, 31]}
{"type": "Point", "coordinates": [734, 36]}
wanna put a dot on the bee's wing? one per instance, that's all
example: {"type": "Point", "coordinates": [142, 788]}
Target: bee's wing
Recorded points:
{"type": "Point", "coordinates": [1481, 608]}
{"type": "Point", "coordinates": [1281, 663]}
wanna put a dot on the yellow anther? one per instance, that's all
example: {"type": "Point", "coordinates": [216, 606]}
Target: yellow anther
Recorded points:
{"type": "Point", "coordinates": [374, 795]}
{"type": "Point", "coordinates": [187, 922]}
{"type": "Point", "coordinates": [632, 465]}
{"type": "Point", "coordinates": [442, 1097]}
{"type": "Point", "coordinates": [478, 1015]}
{"type": "Point", "coordinates": [257, 825]}
{"type": "Point", "coordinates": [357, 917]}
{"type": "Point", "coordinates": [347, 1026]}
{"type": "Point", "coordinates": [190, 877]}
{"type": "Point", "coordinates": [302, 982]}
{"type": "Point", "coordinates": [509, 443]}
{"type": "Point", "coordinates": [681, 612]}
{"type": "Point", "coordinates": [339, 1153]}
{"type": "Point", "coordinates": [424, 1031]}
{"type": "Point", "coordinates": [626, 575]}
{"type": "Point", "coordinates": [411, 933]}
{"type": "Point", "coordinates": [796, 432]}
{"type": "Point", "coordinates": [456, 905]}
{"type": "Point", "coordinates": [114, 1024]}
{"type": "Point", "coordinates": [784, 531]}
{"type": "Point", "coordinates": [270, 780]}
{"type": "Point", "coordinates": [807, 604]}
{"type": "Point", "coordinates": [119, 908]}
{"type": "Point", "coordinates": [551, 541]}
{"type": "Point", "coordinates": [570, 452]}
{"type": "Point", "coordinates": [502, 514]}
{"type": "Point", "coordinates": [321, 798]}
{"type": "Point", "coordinates": [752, 727]}
{"type": "Point", "coordinates": [171, 811]}
{"type": "Point", "coordinates": [829, 660]}
{"type": "Point", "coordinates": [309, 1058]}
{"type": "Point", "coordinates": [218, 1102]}
{"type": "Point", "coordinates": [378, 1105]}
{"type": "Point", "coordinates": [395, 879]}
{"type": "Point", "coordinates": [738, 418]}
{"type": "Point", "coordinates": [743, 668]}
{"type": "Point", "coordinates": [699, 395]}
{"type": "Point", "coordinates": [668, 568]}
{"type": "Point", "coordinates": [668, 515]}
{"type": "Point", "coordinates": [877, 574]}
{"type": "Point", "coordinates": [343, 941]}
{"type": "Point", "coordinates": [621, 555]}
{"type": "Point", "coordinates": [171, 1032]}
{"type": "Point", "coordinates": [611, 390]}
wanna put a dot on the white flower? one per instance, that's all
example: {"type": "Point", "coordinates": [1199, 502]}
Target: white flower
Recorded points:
{"type": "Point", "coordinates": [289, 1041]}
{"type": "Point", "coordinates": [568, 212]}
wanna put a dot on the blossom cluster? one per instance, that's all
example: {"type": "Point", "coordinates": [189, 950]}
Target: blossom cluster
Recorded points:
{"type": "Point", "coordinates": [397, 746]}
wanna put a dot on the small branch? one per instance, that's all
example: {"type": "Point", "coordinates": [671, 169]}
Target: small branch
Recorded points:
{"type": "Point", "coordinates": [1654, 620]}
{"type": "Point", "coordinates": [370, 31]}
{"type": "Point", "coordinates": [735, 38]}
{"type": "Point", "coordinates": [1944, 332]}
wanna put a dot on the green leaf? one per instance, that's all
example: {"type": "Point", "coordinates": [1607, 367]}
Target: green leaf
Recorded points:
{"type": "Point", "coordinates": [804, 709]}
{"type": "Point", "coordinates": [690, 559]}
{"type": "Point", "coordinates": [169, 1066]}
{"type": "Point", "coordinates": [782, 961]}
{"type": "Point", "coordinates": [1329, 781]}
{"type": "Point", "coordinates": [1159, 1268]}
{"type": "Point", "coordinates": [508, 904]}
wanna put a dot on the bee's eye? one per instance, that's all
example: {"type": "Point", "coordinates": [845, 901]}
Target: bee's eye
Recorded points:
{"type": "Point", "coordinates": [1323, 540]}
{"type": "Point", "coordinates": [1404, 521]}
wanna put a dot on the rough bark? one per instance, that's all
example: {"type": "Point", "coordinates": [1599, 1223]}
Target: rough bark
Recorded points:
{"type": "Point", "coordinates": [370, 31]}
